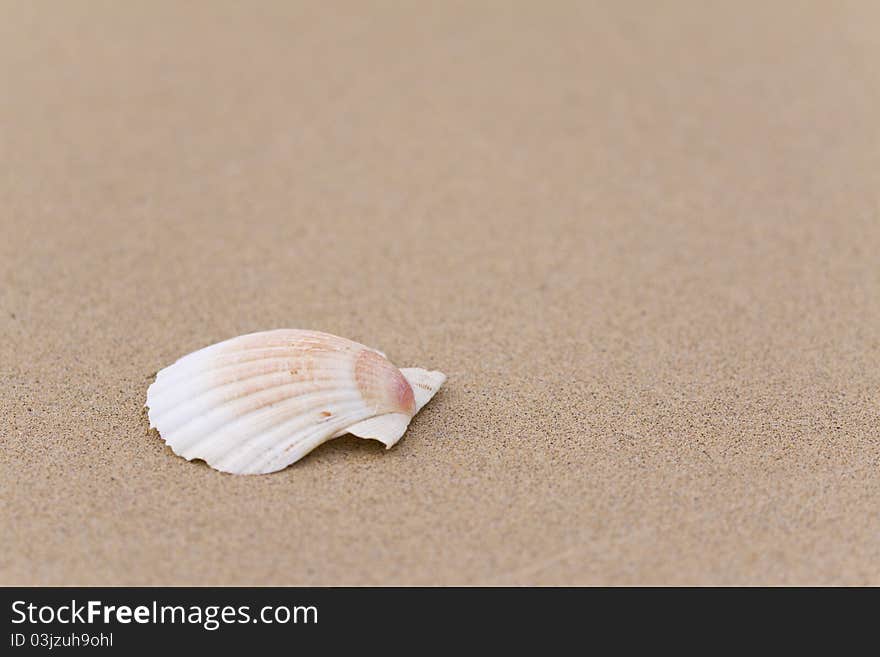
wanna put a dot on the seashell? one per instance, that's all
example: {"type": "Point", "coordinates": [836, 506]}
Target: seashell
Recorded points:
{"type": "Point", "coordinates": [259, 402]}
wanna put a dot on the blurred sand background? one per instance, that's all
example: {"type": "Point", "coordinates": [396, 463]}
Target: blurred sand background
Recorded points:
{"type": "Point", "coordinates": [641, 238]}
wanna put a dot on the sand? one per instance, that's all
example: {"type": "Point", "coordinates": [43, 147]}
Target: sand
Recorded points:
{"type": "Point", "coordinates": [641, 240]}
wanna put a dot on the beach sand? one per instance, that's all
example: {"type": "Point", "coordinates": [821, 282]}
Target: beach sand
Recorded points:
{"type": "Point", "coordinates": [641, 240]}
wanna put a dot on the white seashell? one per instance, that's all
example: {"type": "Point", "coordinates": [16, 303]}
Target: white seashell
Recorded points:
{"type": "Point", "coordinates": [259, 402]}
